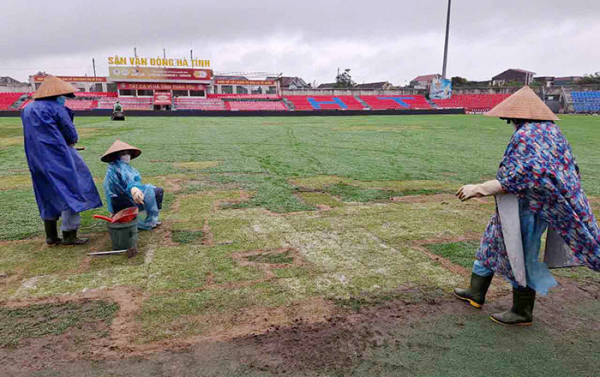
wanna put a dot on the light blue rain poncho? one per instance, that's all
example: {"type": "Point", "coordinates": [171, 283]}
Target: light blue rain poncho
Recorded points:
{"type": "Point", "coordinates": [120, 178]}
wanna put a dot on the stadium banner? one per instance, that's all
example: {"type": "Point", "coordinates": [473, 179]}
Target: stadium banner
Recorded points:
{"type": "Point", "coordinates": [72, 78]}
{"type": "Point", "coordinates": [162, 98]}
{"type": "Point", "coordinates": [159, 74]}
{"type": "Point", "coordinates": [160, 86]}
{"type": "Point", "coordinates": [244, 82]}
{"type": "Point", "coordinates": [158, 62]}
{"type": "Point", "coordinates": [440, 89]}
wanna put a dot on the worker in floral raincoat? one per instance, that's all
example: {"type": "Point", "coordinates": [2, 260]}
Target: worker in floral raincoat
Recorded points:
{"type": "Point", "coordinates": [123, 186]}
{"type": "Point", "coordinates": [540, 170]}
{"type": "Point", "coordinates": [62, 182]}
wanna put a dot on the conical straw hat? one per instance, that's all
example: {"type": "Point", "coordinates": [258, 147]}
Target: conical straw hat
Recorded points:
{"type": "Point", "coordinates": [524, 104]}
{"type": "Point", "coordinates": [119, 146]}
{"type": "Point", "coordinates": [52, 87]}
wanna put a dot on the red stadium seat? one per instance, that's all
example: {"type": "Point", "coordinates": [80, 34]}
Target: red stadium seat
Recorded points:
{"type": "Point", "coordinates": [199, 103]}
{"type": "Point", "coordinates": [128, 103]}
{"type": "Point", "coordinates": [396, 102]}
{"type": "Point", "coordinates": [472, 102]}
{"type": "Point", "coordinates": [311, 103]}
{"type": "Point", "coordinates": [245, 96]}
{"type": "Point", "coordinates": [256, 106]}
{"type": "Point", "coordinates": [8, 99]}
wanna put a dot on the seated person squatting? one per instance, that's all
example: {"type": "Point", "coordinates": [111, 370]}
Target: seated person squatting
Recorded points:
{"type": "Point", "coordinates": [124, 189]}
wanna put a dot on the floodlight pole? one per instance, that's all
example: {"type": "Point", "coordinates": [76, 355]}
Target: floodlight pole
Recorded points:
{"type": "Point", "coordinates": [446, 44]}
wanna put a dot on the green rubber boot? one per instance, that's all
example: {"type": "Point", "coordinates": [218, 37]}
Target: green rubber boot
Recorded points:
{"type": "Point", "coordinates": [70, 238]}
{"type": "Point", "coordinates": [477, 290]}
{"type": "Point", "coordinates": [521, 313]}
{"type": "Point", "coordinates": [51, 233]}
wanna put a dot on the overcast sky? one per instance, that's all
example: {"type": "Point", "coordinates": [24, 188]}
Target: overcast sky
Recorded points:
{"type": "Point", "coordinates": [379, 40]}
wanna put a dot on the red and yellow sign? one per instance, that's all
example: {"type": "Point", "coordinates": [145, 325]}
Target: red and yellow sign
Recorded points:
{"type": "Point", "coordinates": [245, 82]}
{"type": "Point", "coordinates": [158, 62]}
{"type": "Point", "coordinates": [159, 86]}
{"type": "Point", "coordinates": [159, 74]}
{"type": "Point", "coordinates": [162, 98]}
{"type": "Point", "coordinates": [72, 78]}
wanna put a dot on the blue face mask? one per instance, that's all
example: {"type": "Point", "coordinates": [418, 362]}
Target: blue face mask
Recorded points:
{"type": "Point", "coordinates": [61, 100]}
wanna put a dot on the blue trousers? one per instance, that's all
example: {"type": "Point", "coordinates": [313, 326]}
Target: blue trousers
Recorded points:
{"type": "Point", "coordinates": [533, 227]}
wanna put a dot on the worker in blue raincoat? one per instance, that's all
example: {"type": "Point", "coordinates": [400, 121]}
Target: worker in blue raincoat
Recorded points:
{"type": "Point", "coordinates": [62, 182]}
{"type": "Point", "coordinates": [124, 189]}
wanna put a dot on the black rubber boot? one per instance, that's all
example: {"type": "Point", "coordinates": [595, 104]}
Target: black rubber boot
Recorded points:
{"type": "Point", "coordinates": [51, 232]}
{"type": "Point", "coordinates": [477, 290]}
{"type": "Point", "coordinates": [70, 238]}
{"type": "Point", "coordinates": [521, 313]}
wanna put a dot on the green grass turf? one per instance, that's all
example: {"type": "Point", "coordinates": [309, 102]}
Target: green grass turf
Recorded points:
{"type": "Point", "coordinates": [460, 149]}
{"type": "Point", "coordinates": [331, 188]}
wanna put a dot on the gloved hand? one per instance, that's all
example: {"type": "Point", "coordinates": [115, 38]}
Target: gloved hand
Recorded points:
{"type": "Point", "coordinates": [138, 195]}
{"type": "Point", "coordinates": [477, 191]}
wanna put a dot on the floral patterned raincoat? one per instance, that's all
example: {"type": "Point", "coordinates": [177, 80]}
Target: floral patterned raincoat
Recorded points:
{"type": "Point", "coordinates": [539, 165]}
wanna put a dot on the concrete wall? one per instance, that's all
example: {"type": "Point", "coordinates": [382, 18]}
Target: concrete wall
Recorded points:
{"type": "Point", "coordinates": [14, 89]}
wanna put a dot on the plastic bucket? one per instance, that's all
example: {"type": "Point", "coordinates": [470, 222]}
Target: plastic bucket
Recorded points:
{"type": "Point", "coordinates": [123, 235]}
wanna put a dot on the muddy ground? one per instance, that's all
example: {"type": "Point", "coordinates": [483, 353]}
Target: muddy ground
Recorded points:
{"type": "Point", "coordinates": [349, 341]}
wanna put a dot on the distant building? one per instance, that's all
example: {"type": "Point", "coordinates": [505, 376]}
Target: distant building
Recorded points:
{"type": "Point", "coordinates": [383, 85]}
{"type": "Point", "coordinates": [546, 81]}
{"type": "Point", "coordinates": [424, 82]}
{"type": "Point", "coordinates": [568, 80]}
{"type": "Point", "coordinates": [513, 75]}
{"type": "Point", "coordinates": [330, 85]}
{"type": "Point", "coordinates": [292, 83]}
{"type": "Point", "coordinates": [8, 84]}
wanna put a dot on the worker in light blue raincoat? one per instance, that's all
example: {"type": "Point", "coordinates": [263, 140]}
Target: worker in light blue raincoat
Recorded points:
{"type": "Point", "coordinates": [124, 189]}
{"type": "Point", "coordinates": [62, 182]}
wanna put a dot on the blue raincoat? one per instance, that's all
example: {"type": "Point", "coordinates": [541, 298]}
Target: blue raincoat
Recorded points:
{"type": "Point", "coordinates": [61, 179]}
{"type": "Point", "coordinates": [120, 179]}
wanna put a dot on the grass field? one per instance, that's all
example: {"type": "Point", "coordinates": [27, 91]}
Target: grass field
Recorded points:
{"type": "Point", "coordinates": [269, 222]}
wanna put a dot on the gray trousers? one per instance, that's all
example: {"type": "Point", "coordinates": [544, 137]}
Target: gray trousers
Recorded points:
{"type": "Point", "coordinates": [70, 220]}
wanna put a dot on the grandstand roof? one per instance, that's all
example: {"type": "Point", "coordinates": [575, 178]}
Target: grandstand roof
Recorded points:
{"type": "Point", "coordinates": [221, 77]}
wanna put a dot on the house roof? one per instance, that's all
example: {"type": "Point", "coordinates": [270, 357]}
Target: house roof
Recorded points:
{"type": "Point", "coordinates": [9, 80]}
{"type": "Point", "coordinates": [373, 85]}
{"type": "Point", "coordinates": [329, 85]}
{"type": "Point", "coordinates": [515, 70]}
{"type": "Point", "coordinates": [426, 77]}
{"type": "Point", "coordinates": [289, 80]}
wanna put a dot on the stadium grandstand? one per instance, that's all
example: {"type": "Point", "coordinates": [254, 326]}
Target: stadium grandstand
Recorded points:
{"type": "Point", "coordinates": [201, 89]}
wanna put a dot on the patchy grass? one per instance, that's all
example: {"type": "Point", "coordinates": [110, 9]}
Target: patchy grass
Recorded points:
{"type": "Point", "coordinates": [234, 186]}
{"type": "Point", "coordinates": [283, 258]}
{"type": "Point", "coordinates": [36, 321]}
{"type": "Point", "coordinates": [196, 165]}
{"type": "Point", "coordinates": [320, 198]}
{"type": "Point", "coordinates": [183, 236]}
{"type": "Point", "coordinates": [461, 253]}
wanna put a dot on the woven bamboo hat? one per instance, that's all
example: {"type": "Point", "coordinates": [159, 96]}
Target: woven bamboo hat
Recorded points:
{"type": "Point", "coordinates": [524, 104]}
{"type": "Point", "coordinates": [119, 146]}
{"type": "Point", "coordinates": [53, 87]}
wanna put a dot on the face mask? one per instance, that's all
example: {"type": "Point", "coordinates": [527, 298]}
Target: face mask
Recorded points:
{"type": "Point", "coordinates": [126, 158]}
{"type": "Point", "coordinates": [61, 100]}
